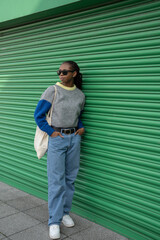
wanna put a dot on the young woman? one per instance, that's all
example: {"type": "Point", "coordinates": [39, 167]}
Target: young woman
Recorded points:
{"type": "Point", "coordinates": [63, 154]}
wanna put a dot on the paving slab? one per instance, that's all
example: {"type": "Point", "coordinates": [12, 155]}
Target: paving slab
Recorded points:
{"type": "Point", "coordinates": [4, 186]}
{"type": "Point", "coordinates": [6, 239]}
{"type": "Point", "coordinates": [68, 238]}
{"type": "Point", "coordinates": [6, 210]}
{"type": "Point", "coordinates": [16, 223]}
{"type": "Point", "coordinates": [25, 217]}
{"type": "Point", "coordinates": [80, 224]}
{"type": "Point", "coordinates": [69, 231]}
{"type": "Point", "coordinates": [25, 202]}
{"type": "Point", "coordinates": [2, 236]}
{"type": "Point", "coordinates": [95, 232]}
{"type": "Point", "coordinates": [39, 232]}
{"type": "Point", "coordinates": [40, 213]}
{"type": "Point", "coordinates": [119, 237]}
{"type": "Point", "coordinates": [11, 193]}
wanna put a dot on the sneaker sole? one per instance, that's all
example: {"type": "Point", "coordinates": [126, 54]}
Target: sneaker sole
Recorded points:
{"type": "Point", "coordinates": [54, 237]}
{"type": "Point", "coordinates": [69, 226]}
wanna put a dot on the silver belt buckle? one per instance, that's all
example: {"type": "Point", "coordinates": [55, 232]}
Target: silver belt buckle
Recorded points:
{"type": "Point", "coordinates": [67, 131]}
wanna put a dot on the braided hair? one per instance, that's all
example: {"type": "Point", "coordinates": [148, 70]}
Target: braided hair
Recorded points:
{"type": "Point", "coordinates": [78, 78]}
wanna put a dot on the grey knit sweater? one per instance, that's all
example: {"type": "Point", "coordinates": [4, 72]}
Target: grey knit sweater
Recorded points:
{"type": "Point", "coordinates": [67, 107]}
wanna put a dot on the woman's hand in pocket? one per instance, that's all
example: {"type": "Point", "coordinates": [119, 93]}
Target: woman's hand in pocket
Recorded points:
{"type": "Point", "coordinates": [56, 134]}
{"type": "Point", "coordinates": [80, 131]}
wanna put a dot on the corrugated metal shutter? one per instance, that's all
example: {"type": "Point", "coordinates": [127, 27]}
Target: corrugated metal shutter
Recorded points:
{"type": "Point", "coordinates": [117, 48]}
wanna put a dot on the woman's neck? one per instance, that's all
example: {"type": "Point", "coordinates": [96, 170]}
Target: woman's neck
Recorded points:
{"type": "Point", "coordinates": [68, 84]}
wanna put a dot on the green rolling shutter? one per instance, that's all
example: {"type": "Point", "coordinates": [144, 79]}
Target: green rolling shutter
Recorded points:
{"type": "Point", "coordinates": [117, 49]}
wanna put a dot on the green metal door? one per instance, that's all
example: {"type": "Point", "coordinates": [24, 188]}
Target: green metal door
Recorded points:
{"type": "Point", "coordinates": [117, 49]}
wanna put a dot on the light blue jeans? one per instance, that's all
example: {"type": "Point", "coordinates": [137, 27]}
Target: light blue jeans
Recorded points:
{"type": "Point", "coordinates": [63, 159]}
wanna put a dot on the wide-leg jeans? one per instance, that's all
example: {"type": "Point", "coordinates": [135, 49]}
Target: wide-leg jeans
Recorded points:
{"type": "Point", "coordinates": [63, 158]}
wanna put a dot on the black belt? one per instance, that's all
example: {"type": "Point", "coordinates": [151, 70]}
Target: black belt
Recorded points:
{"type": "Point", "coordinates": [65, 130]}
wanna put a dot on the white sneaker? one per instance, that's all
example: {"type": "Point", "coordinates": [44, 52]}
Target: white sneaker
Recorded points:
{"type": "Point", "coordinates": [67, 221]}
{"type": "Point", "coordinates": [54, 231]}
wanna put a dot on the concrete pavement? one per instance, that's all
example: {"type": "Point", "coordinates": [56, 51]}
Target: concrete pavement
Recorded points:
{"type": "Point", "coordinates": [25, 217]}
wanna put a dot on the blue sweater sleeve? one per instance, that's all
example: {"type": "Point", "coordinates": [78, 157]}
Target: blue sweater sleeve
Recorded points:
{"type": "Point", "coordinates": [42, 108]}
{"type": "Point", "coordinates": [80, 124]}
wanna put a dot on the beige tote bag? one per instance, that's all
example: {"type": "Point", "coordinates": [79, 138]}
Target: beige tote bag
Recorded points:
{"type": "Point", "coordinates": [41, 137]}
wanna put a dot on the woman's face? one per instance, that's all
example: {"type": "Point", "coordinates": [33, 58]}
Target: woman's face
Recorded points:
{"type": "Point", "coordinates": [69, 78]}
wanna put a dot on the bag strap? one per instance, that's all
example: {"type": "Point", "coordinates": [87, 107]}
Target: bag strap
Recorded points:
{"type": "Point", "coordinates": [51, 108]}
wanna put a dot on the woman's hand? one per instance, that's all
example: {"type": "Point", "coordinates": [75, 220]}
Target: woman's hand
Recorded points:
{"type": "Point", "coordinates": [56, 134]}
{"type": "Point", "coordinates": [80, 131]}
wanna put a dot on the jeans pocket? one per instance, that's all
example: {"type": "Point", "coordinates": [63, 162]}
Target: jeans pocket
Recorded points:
{"type": "Point", "coordinates": [79, 136]}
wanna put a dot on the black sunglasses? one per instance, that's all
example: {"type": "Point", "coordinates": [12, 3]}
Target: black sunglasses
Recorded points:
{"type": "Point", "coordinates": [65, 72]}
